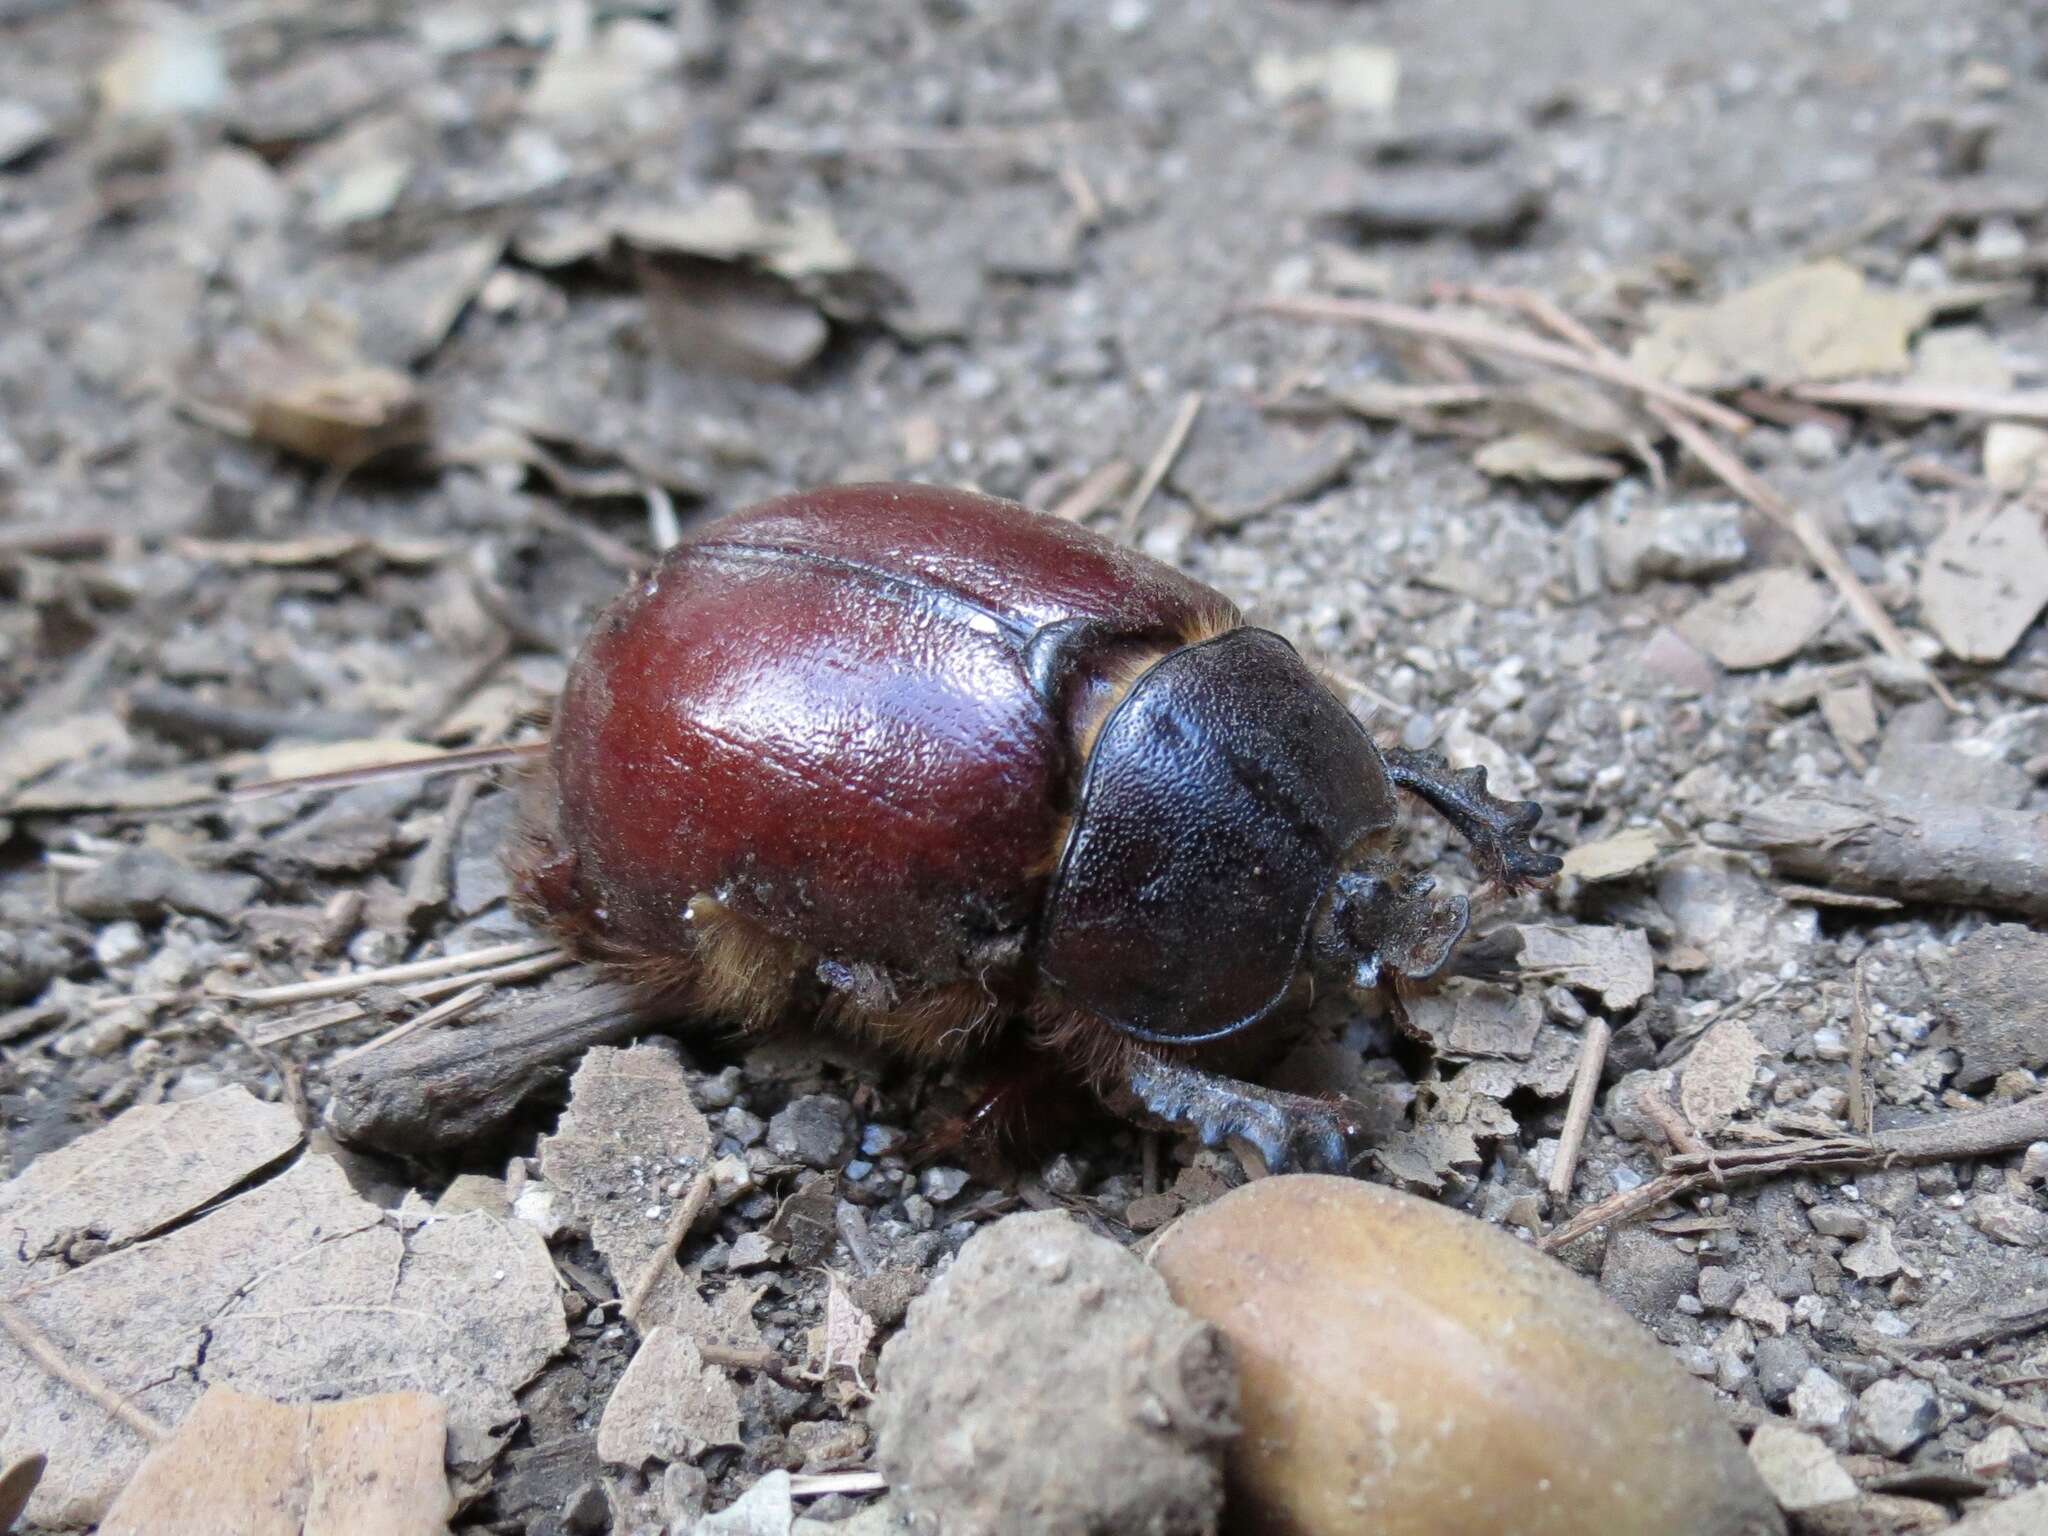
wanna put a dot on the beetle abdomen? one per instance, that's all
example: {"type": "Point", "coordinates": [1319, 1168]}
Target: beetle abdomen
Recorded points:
{"type": "Point", "coordinates": [1222, 796]}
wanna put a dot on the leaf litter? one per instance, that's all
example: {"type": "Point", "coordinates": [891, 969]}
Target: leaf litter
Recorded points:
{"type": "Point", "coordinates": [294, 1286]}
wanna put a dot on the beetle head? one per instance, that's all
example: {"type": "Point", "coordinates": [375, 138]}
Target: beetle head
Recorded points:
{"type": "Point", "coordinates": [1381, 922]}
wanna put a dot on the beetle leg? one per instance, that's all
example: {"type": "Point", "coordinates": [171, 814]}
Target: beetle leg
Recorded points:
{"type": "Point", "coordinates": [1290, 1130]}
{"type": "Point", "coordinates": [1497, 829]}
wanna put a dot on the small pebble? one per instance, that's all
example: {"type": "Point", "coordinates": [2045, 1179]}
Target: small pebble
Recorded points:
{"type": "Point", "coordinates": [815, 1130]}
{"type": "Point", "coordinates": [120, 944]}
{"type": "Point", "coordinates": [1781, 1363]}
{"type": "Point", "coordinates": [880, 1140]}
{"type": "Point", "coordinates": [2002, 1453]}
{"type": "Point", "coordinates": [1718, 1288]}
{"type": "Point", "coordinates": [586, 1512]}
{"type": "Point", "coordinates": [1896, 1414]}
{"type": "Point", "coordinates": [1813, 443]}
{"type": "Point", "coordinates": [1821, 1403]}
{"type": "Point", "coordinates": [942, 1184]}
{"type": "Point", "coordinates": [1838, 1221]}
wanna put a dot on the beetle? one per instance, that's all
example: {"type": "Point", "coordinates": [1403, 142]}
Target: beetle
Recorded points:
{"type": "Point", "coordinates": [964, 771]}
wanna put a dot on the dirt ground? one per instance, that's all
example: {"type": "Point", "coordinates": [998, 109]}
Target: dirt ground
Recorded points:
{"type": "Point", "coordinates": [352, 354]}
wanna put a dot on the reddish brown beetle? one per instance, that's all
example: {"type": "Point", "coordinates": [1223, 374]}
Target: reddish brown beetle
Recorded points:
{"type": "Point", "coordinates": [968, 766]}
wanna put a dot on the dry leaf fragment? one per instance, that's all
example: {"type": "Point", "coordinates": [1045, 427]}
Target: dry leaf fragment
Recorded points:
{"type": "Point", "coordinates": [669, 1406]}
{"type": "Point", "coordinates": [1238, 462]}
{"type": "Point", "coordinates": [847, 1332]}
{"type": "Point", "coordinates": [1469, 1018]}
{"type": "Point", "coordinates": [631, 1131]}
{"type": "Point", "coordinates": [1613, 962]}
{"type": "Point", "coordinates": [295, 1288]}
{"type": "Point", "coordinates": [1816, 322]}
{"type": "Point", "coordinates": [1759, 618]}
{"type": "Point", "coordinates": [245, 1466]}
{"type": "Point", "coordinates": [1986, 580]}
{"type": "Point", "coordinates": [31, 751]}
{"type": "Point", "coordinates": [1541, 456]}
{"type": "Point", "coordinates": [320, 401]}
{"type": "Point", "coordinates": [1627, 852]}
{"type": "Point", "coordinates": [1714, 1085]}
{"type": "Point", "coordinates": [147, 1168]}
{"type": "Point", "coordinates": [596, 73]}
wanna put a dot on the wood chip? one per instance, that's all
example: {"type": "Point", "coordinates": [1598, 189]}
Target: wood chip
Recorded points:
{"type": "Point", "coordinates": [245, 1466]}
{"type": "Point", "coordinates": [1985, 581]}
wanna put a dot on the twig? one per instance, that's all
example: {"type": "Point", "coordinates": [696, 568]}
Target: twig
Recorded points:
{"type": "Point", "coordinates": [679, 1225]}
{"type": "Point", "coordinates": [38, 1347]}
{"type": "Point", "coordinates": [1860, 1108]}
{"type": "Point", "coordinates": [1162, 461]}
{"type": "Point", "coordinates": [444, 701]}
{"type": "Point", "coordinates": [376, 773]}
{"type": "Point", "coordinates": [1933, 399]}
{"type": "Point", "coordinates": [388, 975]}
{"type": "Point", "coordinates": [1487, 338]}
{"type": "Point", "coordinates": [733, 1358]}
{"type": "Point", "coordinates": [1991, 1328]}
{"type": "Point", "coordinates": [811, 1485]}
{"type": "Point", "coordinates": [419, 992]}
{"type": "Point", "coordinates": [613, 552]}
{"type": "Point", "coordinates": [1978, 1133]}
{"type": "Point", "coordinates": [1096, 490]}
{"type": "Point", "coordinates": [447, 1090]}
{"type": "Point", "coordinates": [178, 716]}
{"type": "Point", "coordinates": [1578, 1110]}
{"type": "Point", "coordinates": [55, 541]}
{"type": "Point", "coordinates": [429, 882]}
{"type": "Point", "coordinates": [1619, 1208]}
{"type": "Point", "coordinates": [1676, 1129]}
{"type": "Point", "coordinates": [664, 531]}
{"type": "Point", "coordinates": [1856, 839]}
{"type": "Point", "coordinates": [453, 1008]}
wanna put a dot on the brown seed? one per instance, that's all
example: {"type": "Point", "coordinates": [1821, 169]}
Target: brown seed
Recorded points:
{"type": "Point", "coordinates": [1411, 1371]}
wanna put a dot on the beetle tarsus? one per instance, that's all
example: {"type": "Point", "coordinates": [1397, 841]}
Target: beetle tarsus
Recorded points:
{"type": "Point", "coordinates": [1497, 829]}
{"type": "Point", "coordinates": [1290, 1130]}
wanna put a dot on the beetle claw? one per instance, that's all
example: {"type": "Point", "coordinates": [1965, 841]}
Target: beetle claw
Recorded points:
{"type": "Point", "coordinates": [1289, 1130]}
